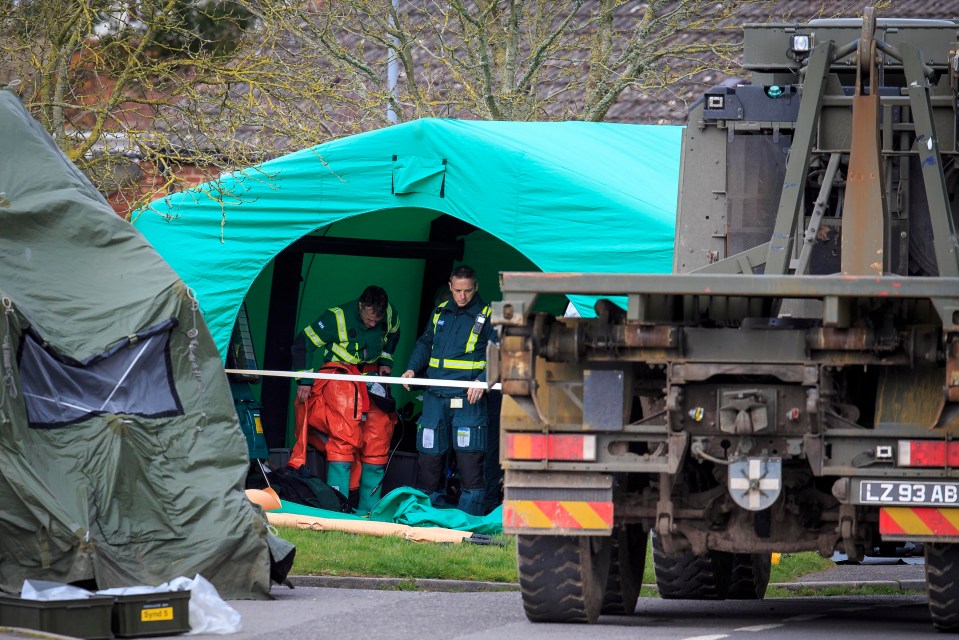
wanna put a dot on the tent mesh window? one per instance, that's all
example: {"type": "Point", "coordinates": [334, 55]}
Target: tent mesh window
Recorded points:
{"type": "Point", "coordinates": [134, 377]}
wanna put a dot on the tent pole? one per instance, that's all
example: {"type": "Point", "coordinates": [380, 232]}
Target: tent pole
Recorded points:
{"type": "Point", "coordinates": [280, 331]}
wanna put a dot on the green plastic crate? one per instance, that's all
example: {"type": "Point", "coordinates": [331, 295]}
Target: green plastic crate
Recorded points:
{"type": "Point", "coordinates": [151, 614]}
{"type": "Point", "coordinates": [88, 618]}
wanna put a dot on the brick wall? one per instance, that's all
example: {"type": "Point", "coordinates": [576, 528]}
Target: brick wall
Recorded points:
{"type": "Point", "coordinates": [153, 186]}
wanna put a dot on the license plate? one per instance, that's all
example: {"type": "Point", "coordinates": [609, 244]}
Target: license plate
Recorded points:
{"type": "Point", "coordinates": [909, 493]}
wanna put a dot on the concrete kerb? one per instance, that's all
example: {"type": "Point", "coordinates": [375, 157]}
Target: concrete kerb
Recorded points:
{"type": "Point", "coordinates": [418, 584]}
{"type": "Point", "coordinates": [432, 584]}
{"type": "Point", "coordinates": [901, 585]}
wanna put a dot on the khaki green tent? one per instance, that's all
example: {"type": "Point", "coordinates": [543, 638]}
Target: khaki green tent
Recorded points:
{"type": "Point", "coordinates": [121, 458]}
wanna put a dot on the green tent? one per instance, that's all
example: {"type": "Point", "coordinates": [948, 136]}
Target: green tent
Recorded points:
{"type": "Point", "coordinates": [121, 458]}
{"type": "Point", "coordinates": [567, 196]}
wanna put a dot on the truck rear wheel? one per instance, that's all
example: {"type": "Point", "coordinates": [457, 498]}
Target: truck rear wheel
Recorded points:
{"type": "Point", "coordinates": [562, 578]}
{"type": "Point", "coordinates": [749, 577]}
{"type": "Point", "coordinates": [942, 569]}
{"type": "Point", "coordinates": [626, 566]}
{"type": "Point", "coordinates": [688, 576]}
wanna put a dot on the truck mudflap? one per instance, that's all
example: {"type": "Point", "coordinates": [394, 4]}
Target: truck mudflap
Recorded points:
{"type": "Point", "coordinates": [558, 503]}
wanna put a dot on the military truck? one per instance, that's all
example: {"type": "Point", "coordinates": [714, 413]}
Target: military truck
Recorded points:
{"type": "Point", "coordinates": [794, 384]}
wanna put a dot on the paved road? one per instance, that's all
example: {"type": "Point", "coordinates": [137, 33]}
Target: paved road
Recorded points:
{"type": "Point", "coordinates": [313, 612]}
{"type": "Point", "coordinates": [370, 613]}
{"type": "Point", "coordinates": [906, 573]}
{"type": "Point", "coordinates": [361, 614]}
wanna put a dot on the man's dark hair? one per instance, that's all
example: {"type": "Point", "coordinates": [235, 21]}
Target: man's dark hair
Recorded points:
{"type": "Point", "coordinates": [375, 298]}
{"type": "Point", "coordinates": [463, 271]}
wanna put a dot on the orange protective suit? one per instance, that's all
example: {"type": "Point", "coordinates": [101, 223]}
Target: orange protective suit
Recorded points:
{"type": "Point", "coordinates": [332, 421]}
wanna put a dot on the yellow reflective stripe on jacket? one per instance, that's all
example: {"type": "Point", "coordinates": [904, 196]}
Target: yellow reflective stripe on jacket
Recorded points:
{"type": "Point", "coordinates": [343, 354]}
{"type": "Point", "coordinates": [436, 316]}
{"type": "Point", "coordinates": [471, 343]}
{"type": "Point", "coordinates": [340, 324]}
{"type": "Point", "coordinates": [390, 326]}
{"type": "Point", "coordinates": [313, 336]}
{"type": "Point", "coordinates": [457, 364]}
{"type": "Point", "coordinates": [386, 355]}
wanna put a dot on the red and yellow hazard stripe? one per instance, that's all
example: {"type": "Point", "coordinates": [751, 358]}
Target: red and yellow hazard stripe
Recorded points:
{"type": "Point", "coordinates": [557, 514]}
{"type": "Point", "coordinates": [918, 521]}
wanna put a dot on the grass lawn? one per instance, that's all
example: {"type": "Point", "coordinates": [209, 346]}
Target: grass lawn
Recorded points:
{"type": "Point", "coordinates": [332, 553]}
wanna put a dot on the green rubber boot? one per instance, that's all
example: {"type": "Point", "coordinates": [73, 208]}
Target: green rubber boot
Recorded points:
{"type": "Point", "coordinates": [371, 486]}
{"type": "Point", "coordinates": [338, 476]}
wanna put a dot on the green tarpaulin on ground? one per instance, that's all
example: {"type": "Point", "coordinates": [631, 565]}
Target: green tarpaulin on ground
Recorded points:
{"type": "Point", "coordinates": [569, 196]}
{"type": "Point", "coordinates": [406, 505]}
{"type": "Point", "coordinates": [412, 507]}
{"type": "Point", "coordinates": [121, 457]}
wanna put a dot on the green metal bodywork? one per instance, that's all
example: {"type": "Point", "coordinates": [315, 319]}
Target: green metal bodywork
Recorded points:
{"type": "Point", "coordinates": [812, 317]}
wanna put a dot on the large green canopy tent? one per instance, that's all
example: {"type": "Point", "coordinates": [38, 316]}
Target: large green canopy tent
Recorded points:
{"type": "Point", "coordinates": [569, 196]}
{"type": "Point", "coordinates": [121, 457]}
{"type": "Point", "coordinates": [548, 196]}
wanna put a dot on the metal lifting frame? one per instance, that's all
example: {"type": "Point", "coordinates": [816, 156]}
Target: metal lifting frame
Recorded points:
{"type": "Point", "coordinates": [865, 220]}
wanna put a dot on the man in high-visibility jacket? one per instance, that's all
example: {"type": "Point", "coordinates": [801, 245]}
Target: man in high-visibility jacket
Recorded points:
{"type": "Point", "coordinates": [453, 347]}
{"type": "Point", "coordinates": [349, 420]}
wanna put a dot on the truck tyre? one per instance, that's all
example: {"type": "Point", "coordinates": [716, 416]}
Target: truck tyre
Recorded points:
{"type": "Point", "coordinates": [627, 563]}
{"type": "Point", "coordinates": [688, 576]}
{"type": "Point", "coordinates": [749, 577]}
{"type": "Point", "coordinates": [562, 578]}
{"type": "Point", "coordinates": [942, 568]}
